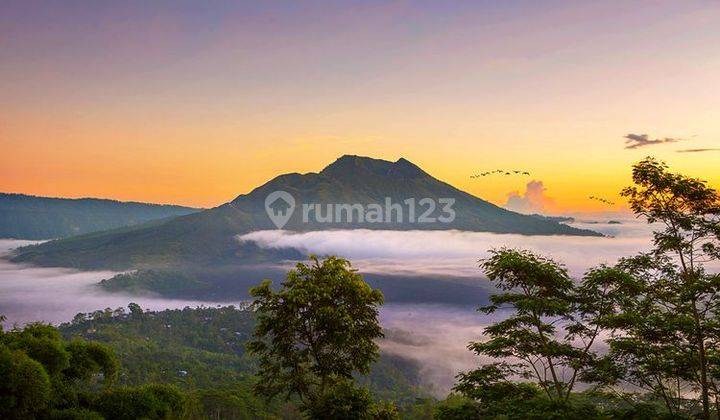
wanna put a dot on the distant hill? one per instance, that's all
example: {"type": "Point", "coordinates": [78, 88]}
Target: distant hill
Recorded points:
{"type": "Point", "coordinates": [559, 219]}
{"type": "Point", "coordinates": [207, 239]}
{"type": "Point", "coordinates": [30, 217]}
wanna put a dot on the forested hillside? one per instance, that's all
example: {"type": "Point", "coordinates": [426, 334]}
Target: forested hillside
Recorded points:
{"type": "Point", "coordinates": [202, 352]}
{"type": "Point", "coordinates": [29, 217]}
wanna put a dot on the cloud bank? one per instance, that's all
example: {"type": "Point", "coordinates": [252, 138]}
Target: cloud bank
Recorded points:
{"type": "Point", "coordinates": [55, 295]}
{"type": "Point", "coordinates": [455, 253]}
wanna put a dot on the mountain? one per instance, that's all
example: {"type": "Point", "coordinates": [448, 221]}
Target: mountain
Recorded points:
{"type": "Point", "coordinates": [355, 179]}
{"type": "Point", "coordinates": [30, 217]}
{"type": "Point", "coordinates": [206, 240]}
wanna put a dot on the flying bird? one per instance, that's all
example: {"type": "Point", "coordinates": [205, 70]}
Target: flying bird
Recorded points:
{"type": "Point", "coordinates": [506, 172]}
{"type": "Point", "coordinates": [602, 200]}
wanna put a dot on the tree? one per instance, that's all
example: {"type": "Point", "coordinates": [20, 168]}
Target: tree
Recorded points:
{"type": "Point", "coordinates": [42, 342]}
{"type": "Point", "coordinates": [24, 387]}
{"type": "Point", "coordinates": [315, 331]}
{"type": "Point", "coordinates": [45, 376]}
{"type": "Point", "coordinates": [88, 358]}
{"type": "Point", "coordinates": [667, 323]}
{"type": "Point", "coordinates": [343, 401]}
{"type": "Point", "coordinates": [550, 332]}
{"type": "Point", "coordinates": [154, 401]}
{"type": "Point", "coordinates": [135, 309]}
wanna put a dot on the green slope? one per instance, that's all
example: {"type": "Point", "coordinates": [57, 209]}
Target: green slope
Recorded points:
{"type": "Point", "coordinates": [29, 217]}
{"type": "Point", "coordinates": [203, 349]}
{"type": "Point", "coordinates": [207, 239]}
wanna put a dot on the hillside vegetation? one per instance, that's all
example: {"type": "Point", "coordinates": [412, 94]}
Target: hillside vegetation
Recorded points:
{"type": "Point", "coordinates": [29, 217]}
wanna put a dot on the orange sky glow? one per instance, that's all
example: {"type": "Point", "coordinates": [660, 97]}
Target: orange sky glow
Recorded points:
{"type": "Point", "coordinates": [178, 103]}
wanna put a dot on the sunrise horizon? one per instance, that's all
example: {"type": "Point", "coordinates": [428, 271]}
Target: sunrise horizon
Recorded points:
{"type": "Point", "coordinates": [192, 105]}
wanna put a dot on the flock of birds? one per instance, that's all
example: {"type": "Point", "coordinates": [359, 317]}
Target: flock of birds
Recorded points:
{"type": "Point", "coordinates": [500, 172]}
{"type": "Point", "coordinates": [526, 173]}
{"type": "Point", "coordinates": [602, 200]}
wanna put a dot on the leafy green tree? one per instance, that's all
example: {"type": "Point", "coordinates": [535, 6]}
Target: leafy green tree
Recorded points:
{"type": "Point", "coordinates": [135, 309]}
{"type": "Point", "coordinates": [666, 321]}
{"type": "Point", "coordinates": [221, 404]}
{"type": "Point", "coordinates": [385, 411]}
{"type": "Point", "coordinates": [42, 342]}
{"type": "Point", "coordinates": [153, 401]}
{"type": "Point", "coordinates": [548, 338]}
{"type": "Point", "coordinates": [24, 385]}
{"type": "Point", "coordinates": [457, 407]}
{"type": "Point", "coordinates": [88, 358]}
{"type": "Point", "coordinates": [644, 349]}
{"type": "Point", "coordinates": [489, 386]}
{"type": "Point", "coordinates": [46, 376]}
{"type": "Point", "coordinates": [315, 331]}
{"type": "Point", "coordinates": [344, 400]}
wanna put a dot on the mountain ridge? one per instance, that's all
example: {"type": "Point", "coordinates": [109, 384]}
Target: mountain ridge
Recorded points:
{"type": "Point", "coordinates": [24, 216]}
{"type": "Point", "coordinates": [207, 238]}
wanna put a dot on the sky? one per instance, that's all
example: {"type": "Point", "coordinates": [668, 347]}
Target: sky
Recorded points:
{"type": "Point", "coordinates": [194, 103]}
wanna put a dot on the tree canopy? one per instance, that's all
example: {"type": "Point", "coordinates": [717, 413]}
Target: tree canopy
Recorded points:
{"type": "Point", "coordinates": [315, 331]}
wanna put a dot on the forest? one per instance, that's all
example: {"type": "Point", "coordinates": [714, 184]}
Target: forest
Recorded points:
{"type": "Point", "coordinates": [637, 339]}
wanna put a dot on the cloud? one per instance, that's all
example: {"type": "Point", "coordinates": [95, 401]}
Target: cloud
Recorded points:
{"type": "Point", "coordinates": [455, 253]}
{"type": "Point", "coordinates": [435, 336]}
{"type": "Point", "coordinates": [697, 150]}
{"type": "Point", "coordinates": [55, 295]}
{"type": "Point", "coordinates": [633, 141]}
{"type": "Point", "coordinates": [533, 200]}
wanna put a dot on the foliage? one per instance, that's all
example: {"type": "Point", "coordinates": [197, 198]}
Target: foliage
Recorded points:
{"type": "Point", "coordinates": [88, 358]}
{"type": "Point", "coordinates": [45, 375]}
{"type": "Point", "coordinates": [665, 320]}
{"type": "Point", "coordinates": [75, 414]}
{"type": "Point", "coordinates": [202, 352]}
{"type": "Point", "coordinates": [457, 407]}
{"type": "Point", "coordinates": [343, 400]}
{"type": "Point", "coordinates": [550, 332]}
{"type": "Point", "coordinates": [315, 331]}
{"type": "Point", "coordinates": [153, 281]}
{"type": "Point", "coordinates": [659, 309]}
{"type": "Point", "coordinates": [153, 401]}
{"type": "Point", "coordinates": [25, 386]}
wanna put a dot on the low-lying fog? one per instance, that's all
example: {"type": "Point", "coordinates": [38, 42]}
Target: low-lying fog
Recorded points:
{"type": "Point", "coordinates": [434, 335]}
{"type": "Point", "coordinates": [455, 253]}
{"type": "Point", "coordinates": [55, 295]}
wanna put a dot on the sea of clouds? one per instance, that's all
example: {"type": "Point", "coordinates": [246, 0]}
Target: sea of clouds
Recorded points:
{"type": "Point", "coordinates": [455, 253]}
{"type": "Point", "coordinates": [435, 336]}
{"type": "Point", "coordinates": [55, 295]}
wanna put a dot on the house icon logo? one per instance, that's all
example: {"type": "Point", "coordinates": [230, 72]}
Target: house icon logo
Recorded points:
{"type": "Point", "coordinates": [279, 206]}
